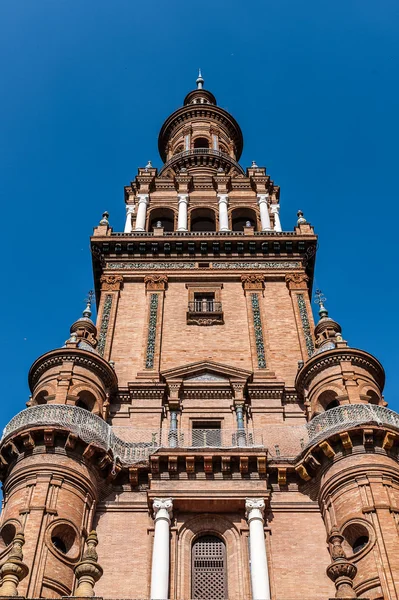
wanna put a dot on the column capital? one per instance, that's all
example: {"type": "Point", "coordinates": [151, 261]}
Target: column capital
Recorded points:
{"type": "Point", "coordinates": [223, 198]}
{"type": "Point", "coordinates": [263, 197]}
{"type": "Point", "coordinates": [162, 508]}
{"type": "Point", "coordinates": [182, 197]}
{"type": "Point", "coordinates": [129, 209]}
{"type": "Point", "coordinates": [143, 198]}
{"type": "Point", "coordinates": [254, 508]}
{"type": "Point", "coordinates": [275, 208]}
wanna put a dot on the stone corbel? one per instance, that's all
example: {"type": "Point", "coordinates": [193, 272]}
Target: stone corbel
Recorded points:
{"type": "Point", "coordinates": [174, 394]}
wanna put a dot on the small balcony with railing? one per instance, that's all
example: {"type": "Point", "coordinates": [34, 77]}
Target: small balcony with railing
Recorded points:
{"type": "Point", "coordinates": [205, 311]}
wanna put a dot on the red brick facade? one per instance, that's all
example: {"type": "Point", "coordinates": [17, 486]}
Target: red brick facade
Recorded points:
{"type": "Point", "coordinates": [205, 383]}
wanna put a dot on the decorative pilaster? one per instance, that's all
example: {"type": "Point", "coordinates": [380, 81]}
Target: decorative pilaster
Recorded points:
{"type": "Point", "coordinates": [161, 550]}
{"type": "Point", "coordinates": [13, 570]}
{"type": "Point", "coordinates": [88, 571]}
{"type": "Point", "coordinates": [155, 284]}
{"type": "Point", "coordinates": [297, 284]}
{"type": "Point", "coordinates": [110, 290]}
{"type": "Point", "coordinates": [253, 285]}
{"type": "Point", "coordinates": [255, 508]}
{"type": "Point", "coordinates": [340, 571]}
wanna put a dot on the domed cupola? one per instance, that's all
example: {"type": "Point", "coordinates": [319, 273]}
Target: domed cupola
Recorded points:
{"type": "Point", "coordinates": [75, 374]}
{"type": "Point", "coordinates": [200, 134]}
{"type": "Point", "coordinates": [336, 374]}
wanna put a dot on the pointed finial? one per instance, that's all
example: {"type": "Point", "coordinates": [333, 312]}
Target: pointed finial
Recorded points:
{"type": "Point", "coordinates": [148, 165]}
{"type": "Point", "coordinates": [200, 80]}
{"type": "Point", "coordinates": [104, 220]}
{"type": "Point", "coordinates": [320, 299]}
{"type": "Point", "coordinates": [89, 300]}
{"type": "Point", "coordinates": [254, 165]}
{"type": "Point", "coordinates": [301, 218]}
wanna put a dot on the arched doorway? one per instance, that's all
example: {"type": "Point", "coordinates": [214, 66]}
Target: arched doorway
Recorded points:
{"type": "Point", "coordinates": [208, 568]}
{"type": "Point", "coordinates": [163, 217]}
{"type": "Point", "coordinates": [242, 217]}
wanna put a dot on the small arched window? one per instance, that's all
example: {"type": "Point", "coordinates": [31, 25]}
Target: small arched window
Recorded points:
{"type": "Point", "coordinates": [208, 568]}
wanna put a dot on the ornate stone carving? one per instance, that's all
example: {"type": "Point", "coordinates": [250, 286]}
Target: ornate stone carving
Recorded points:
{"type": "Point", "coordinates": [258, 265]}
{"type": "Point", "coordinates": [254, 508]}
{"type": "Point", "coordinates": [102, 338]}
{"type": "Point", "coordinates": [88, 571]}
{"type": "Point", "coordinates": [155, 282]}
{"type": "Point", "coordinates": [260, 349]}
{"type": "Point", "coordinates": [253, 281]}
{"type": "Point", "coordinates": [340, 571]}
{"type": "Point", "coordinates": [152, 331]}
{"type": "Point", "coordinates": [143, 266]}
{"type": "Point", "coordinates": [305, 324]}
{"type": "Point", "coordinates": [162, 507]}
{"type": "Point", "coordinates": [297, 281]}
{"type": "Point", "coordinates": [216, 320]}
{"type": "Point", "coordinates": [111, 283]}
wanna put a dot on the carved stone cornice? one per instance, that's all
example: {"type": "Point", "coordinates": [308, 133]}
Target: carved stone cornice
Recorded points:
{"type": "Point", "coordinates": [329, 358]}
{"type": "Point", "coordinates": [155, 282]}
{"type": "Point", "coordinates": [297, 281]}
{"type": "Point", "coordinates": [253, 281]}
{"type": "Point", "coordinates": [111, 283]}
{"type": "Point", "coordinates": [88, 360]}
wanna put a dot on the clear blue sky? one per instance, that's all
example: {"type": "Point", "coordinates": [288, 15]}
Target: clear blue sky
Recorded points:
{"type": "Point", "coordinates": [86, 86]}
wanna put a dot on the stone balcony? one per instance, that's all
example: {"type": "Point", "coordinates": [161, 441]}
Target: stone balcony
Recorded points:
{"type": "Point", "coordinates": [131, 445]}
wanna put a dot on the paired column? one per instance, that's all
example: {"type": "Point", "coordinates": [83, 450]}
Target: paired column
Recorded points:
{"type": "Point", "coordinates": [223, 215]}
{"type": "Point", "coordinates": [255, 508]}
{"type": "Point", "coordinates": [161, 549]}
{"type": "Point", "coordinates": [275, 208]}
{"type": "Point", "coordinates": [182, 216]}
{"type": "Point", "coordinates": [264, 211]}
{"type": "Point", "coordinates": [141, 211]}
{"type": "Point", "coordinates": [128, 224]}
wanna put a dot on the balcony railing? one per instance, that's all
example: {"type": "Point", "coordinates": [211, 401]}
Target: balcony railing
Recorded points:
{"type": "Point", "coordinates": [205, 152]}
{"type": "Point", "coordinates": [204, 306]}
{"type": "Point", "coordinates": [131, 445]}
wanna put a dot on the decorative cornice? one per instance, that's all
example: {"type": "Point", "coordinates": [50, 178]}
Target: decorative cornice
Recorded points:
{"type": "Point", "coordinates": [90, 361]}
{"type": "Point", "coordinates": [319, 362]}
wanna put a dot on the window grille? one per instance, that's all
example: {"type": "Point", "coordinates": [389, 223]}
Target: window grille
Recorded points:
{"type": "Point", "coordinates": [209, 581]}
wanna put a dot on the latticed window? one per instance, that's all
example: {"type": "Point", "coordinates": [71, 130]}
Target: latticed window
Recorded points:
{"type": "Point", "coordinates": [209, 579]}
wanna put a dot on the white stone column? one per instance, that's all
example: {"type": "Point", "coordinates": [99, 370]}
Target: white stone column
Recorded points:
{"type": "Point", "coordinates": [255, 508]}
{"type": "Point", "coordinates": [129, 212]}
{"type": "Point", "coordinates": [161, 549]}
{"type": "Point", "coordinates": [264, 211]}
{"type": "Point", "coordinates": [182, 216]}
{"type": "Point", "coordinates": [223, 216]}
{"type": "Point", "coordinates": [141, 211]}
{"type": "Point", "coordinates": [275, 208]}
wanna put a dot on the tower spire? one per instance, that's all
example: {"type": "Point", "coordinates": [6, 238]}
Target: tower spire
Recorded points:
{"type": "Point", "coordinates": [200, 80]}
{"type": "Point", "coordinates": [320, 299]}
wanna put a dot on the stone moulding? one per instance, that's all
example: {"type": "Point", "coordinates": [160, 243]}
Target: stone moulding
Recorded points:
{"type": "Point", "coordinates": [177, 266]}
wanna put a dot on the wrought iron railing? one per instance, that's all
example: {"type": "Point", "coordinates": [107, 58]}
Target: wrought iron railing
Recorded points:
{"type": "Point", "coordinates": [204, 306]}
{"type": "Point", "coordinates": [130, 445]}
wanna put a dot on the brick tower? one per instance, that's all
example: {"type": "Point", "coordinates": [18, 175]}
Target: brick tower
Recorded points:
{"type": "Point", "coordinates": [208, 436]}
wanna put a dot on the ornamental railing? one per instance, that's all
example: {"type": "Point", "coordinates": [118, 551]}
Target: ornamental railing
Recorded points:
{"type": "Point", "coordinates": [204, 306]}
{"type": "Point", "coordinates": [194, 152]}
{"type": "Point", "coordinates": [128, 444]}
{"type": "Point", "coordinates": [348, 416]}
{"type": "Point", "coordinates": [132, 445]}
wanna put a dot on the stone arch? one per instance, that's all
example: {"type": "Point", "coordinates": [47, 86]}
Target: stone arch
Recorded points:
{"type": "Point", "coordinates": [240, 216]}
{"type": "Point", "coordinates": [222, 527]}
{"type": "Point", "coordinates": [326, 400]}
{"type": "Point", "coordinates": [201, 141]}
{"type": "Point", "coordinates": [84, 396]}
{"type": "Point", "coordinates": [202, 219]}
{"type": "Point", "coordinates": [166, 216]}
